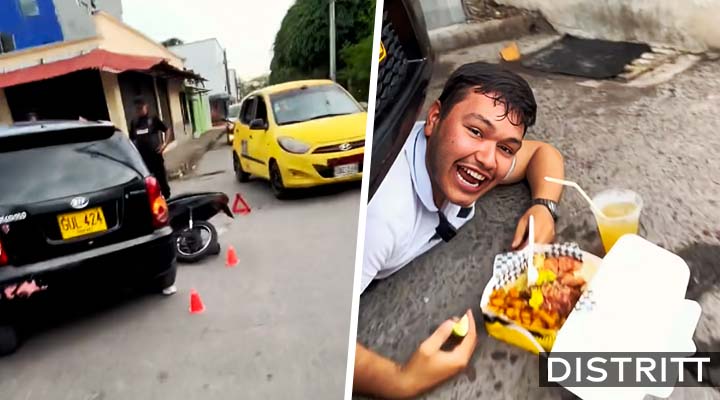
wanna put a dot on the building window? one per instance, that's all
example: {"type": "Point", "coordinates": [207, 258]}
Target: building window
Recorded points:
{"type": "Point", "coordinates": [7, 42]}
{"type": "Point", "coordinates": [29, 8]}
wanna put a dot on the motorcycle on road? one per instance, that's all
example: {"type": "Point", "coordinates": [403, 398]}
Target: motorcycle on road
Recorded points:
{"type": "Point", "coordinates": [195, 237]}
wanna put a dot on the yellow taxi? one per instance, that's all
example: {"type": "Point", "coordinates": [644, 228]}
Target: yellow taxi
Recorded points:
{"type": "Point", "coordinates": [300, 134]}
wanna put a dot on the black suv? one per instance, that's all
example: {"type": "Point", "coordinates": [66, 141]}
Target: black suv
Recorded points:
{"type": "Point", "coordinates": [77, 206]}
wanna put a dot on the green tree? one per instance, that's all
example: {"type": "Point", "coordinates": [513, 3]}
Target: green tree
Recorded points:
{"type": "Point", "coordinates": [172, 42]}
{"type": "Point", "coordinates": [302, 46]}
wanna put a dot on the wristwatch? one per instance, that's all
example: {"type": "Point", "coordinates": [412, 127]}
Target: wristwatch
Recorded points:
{"type": "Point", "coordinates": [551, 206]}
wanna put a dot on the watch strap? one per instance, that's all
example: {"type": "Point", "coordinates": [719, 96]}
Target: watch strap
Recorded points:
{"type": "Point", "coordinates": [549, 204]}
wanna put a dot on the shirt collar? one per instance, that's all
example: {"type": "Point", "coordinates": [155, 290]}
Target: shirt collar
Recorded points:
{"type": "Point", "coordinates": [415, 151]}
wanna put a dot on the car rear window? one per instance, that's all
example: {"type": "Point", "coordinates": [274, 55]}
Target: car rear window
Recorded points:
{"type": "Point", "coordinates": [82, 158]}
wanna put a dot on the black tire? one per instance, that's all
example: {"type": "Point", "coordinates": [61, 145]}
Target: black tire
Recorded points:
{"type": "Point", "coordinates": [240, 174]}
{"type": "Point", "coordinates": [191, 252]}
{"type": "Point", "coordinates": [276, 181]}
{"type": "Point", "coordinates": [8, 340]}
{"type": "Point", "coordinates": [215, 250]}
{"type": "Point", "coordinates": [391, 71]}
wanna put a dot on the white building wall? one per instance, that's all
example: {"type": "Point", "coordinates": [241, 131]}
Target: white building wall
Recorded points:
{"type": "Point", "coordinates": [442, 13]}
{"type": "Point", "coordinates": [75, 16]}
{"type": "Point", "coordinates": [205, 58]}
{"type": "Point", "coordinates": [689, 25]}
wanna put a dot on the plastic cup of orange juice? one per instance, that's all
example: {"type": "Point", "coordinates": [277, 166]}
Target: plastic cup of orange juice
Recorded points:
{"type": "Point", "coordinates": [622, 210]}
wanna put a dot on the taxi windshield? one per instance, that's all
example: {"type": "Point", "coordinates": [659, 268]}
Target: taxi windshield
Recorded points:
{"type": "Point", "coordinates": [312, 102]}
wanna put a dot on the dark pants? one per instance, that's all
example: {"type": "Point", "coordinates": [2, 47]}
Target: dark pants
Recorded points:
{"type": "Point", "coordinates": [156, 164]}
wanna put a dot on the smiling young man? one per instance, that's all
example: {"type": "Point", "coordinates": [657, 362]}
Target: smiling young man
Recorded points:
{"type": "Point", "coordinates": [471, 141]}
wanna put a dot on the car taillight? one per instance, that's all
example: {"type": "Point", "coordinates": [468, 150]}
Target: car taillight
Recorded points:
{"type": "Point", "coordinates": [158, 206]}
{"type": "Point", "coordinates": [3, 255]}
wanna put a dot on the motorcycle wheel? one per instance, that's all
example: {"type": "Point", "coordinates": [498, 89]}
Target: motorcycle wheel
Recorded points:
{"type": "Point", "coordinates": [192, 245]}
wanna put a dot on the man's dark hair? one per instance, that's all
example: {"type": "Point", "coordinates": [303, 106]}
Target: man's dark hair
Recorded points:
{"type": "Point", "coordinates": [139, 101]}
{"type": "Point", "coordinates": [499, 84]}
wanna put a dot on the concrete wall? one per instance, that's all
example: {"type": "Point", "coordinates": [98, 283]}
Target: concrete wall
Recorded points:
{"type": "Point", "coordinates": [442, 13]}
{"type": "Point", "coordinates": [5, 115]}
{"type": "Point", "coordinates": [120, 38]}
{"type": "Point", "coordinates": [112, 7]}
{"type": "Point", "coordinates": [688, 25]}
{"type": "Point", "coordinates": [33, 56]}
{"type": "Point", "coordinates": [76, 20]}
{"type": "Point", "coordinates": [114, 100]}
{"type": "Point", "coordinates": [205, 58]}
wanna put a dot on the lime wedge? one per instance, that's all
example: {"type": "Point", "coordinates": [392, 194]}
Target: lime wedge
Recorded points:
{"type": "Point", "coordinates": [461, 327]}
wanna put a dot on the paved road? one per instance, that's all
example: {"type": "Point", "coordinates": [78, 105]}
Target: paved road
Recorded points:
{"type": "Point", "coordinates": [658, 141]}
{"type": "Point", "coordinates": [276, 326]}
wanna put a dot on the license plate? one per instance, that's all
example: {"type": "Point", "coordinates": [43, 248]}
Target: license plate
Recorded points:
{"type": "Point", "coordinates": [82, 223]}
{"type": "Point", "coordinates": [346, 170]}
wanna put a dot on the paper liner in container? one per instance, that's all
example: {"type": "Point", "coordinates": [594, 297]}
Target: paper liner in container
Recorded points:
{"type": "Point", "coordinates": [507, 269]}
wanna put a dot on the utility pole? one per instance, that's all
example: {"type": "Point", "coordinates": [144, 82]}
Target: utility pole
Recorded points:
{"type": "Point", "coordinates": [332, 40]}
{"type": "Point", "coordinates": [227, 73]}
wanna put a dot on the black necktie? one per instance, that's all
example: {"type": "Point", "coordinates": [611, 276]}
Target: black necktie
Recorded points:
{"type": "Point", "coordinates": [444, 230]}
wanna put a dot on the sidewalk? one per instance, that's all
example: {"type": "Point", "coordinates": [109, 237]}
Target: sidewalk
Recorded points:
{"type": "Point", "coordinates": [181, 158]}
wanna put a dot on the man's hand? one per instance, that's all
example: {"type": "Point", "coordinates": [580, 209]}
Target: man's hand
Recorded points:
{"type": "Point", "coordinates": [379, 377]}
{"type": "Point", "coordinates": [430, 365]}
{"type": "Point", "coordinates": [544, 227]}
{"type": "Point", "coordinates": [161, 148]}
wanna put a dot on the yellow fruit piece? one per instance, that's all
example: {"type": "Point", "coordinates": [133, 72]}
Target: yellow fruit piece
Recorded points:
{"type": "Point", "coordinates": [461, 327]}
{"type": "Point", "coordinates": [545, 276]}
{"type": "Point", "coordinates": [536, 299]}
{"type": "Point", "coordinates": [510, 52]}
{"type": "Point", "coordinates": [539, 261]}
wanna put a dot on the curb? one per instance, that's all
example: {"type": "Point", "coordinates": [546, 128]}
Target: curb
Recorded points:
{"type": "Point", "coordinates": [459, 36]}
{"type": "Point", "coordinates": [195, 156]}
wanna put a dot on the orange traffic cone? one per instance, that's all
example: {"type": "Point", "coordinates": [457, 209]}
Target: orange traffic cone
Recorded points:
{"type": "Point", "coordinates": [232, 259]}
{"type": "Point", "coordinates": [196, 304]}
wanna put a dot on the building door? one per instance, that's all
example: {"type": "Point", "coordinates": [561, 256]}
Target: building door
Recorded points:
{"type": "Point", "coordinates": [133, 85]}
{"type": "Point", "coordinates": [162, 92]}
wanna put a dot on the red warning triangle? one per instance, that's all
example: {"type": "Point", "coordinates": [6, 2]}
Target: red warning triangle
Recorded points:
{"type": "Point", "coordinates": [242, 211]}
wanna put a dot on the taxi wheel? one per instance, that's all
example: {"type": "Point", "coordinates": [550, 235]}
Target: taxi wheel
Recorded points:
{"type": "Point", "coordinates": [276, 181]}
{"type": "Point", "coordinates": [240, 174]}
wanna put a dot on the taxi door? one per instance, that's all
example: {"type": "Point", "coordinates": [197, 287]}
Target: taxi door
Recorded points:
{"type": "Point", "coordinates": [261, 136]}
{"type": "Point", "coordinates": [244, 137]}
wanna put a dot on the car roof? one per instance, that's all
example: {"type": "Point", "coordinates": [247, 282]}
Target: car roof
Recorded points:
{"type": "Point", "coordinates": [24, 128]}
{"type": "Point", "coordinates": [281, 87]}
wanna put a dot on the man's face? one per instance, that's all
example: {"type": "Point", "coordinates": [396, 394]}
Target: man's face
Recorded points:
{"type": "Point", "coordinates": [142, 110]}
{"type": "Point", "coordinates": [471, 150]}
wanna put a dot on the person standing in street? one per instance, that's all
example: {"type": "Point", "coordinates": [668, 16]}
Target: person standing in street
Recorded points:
{"type": "Point", "coordinates": [148, 133]}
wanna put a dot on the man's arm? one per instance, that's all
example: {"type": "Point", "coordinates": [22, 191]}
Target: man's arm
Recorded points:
{"type": "Point", "coordinates": [534, 162]}
{"type": "Point", "coordinates": [132, 133]}
{"type": "Point", "coordinates": [377, 376]}
{"type": "Point", "coordinates": [429, 366]}
{"type": "Point", "coordinates": [162, 128]}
